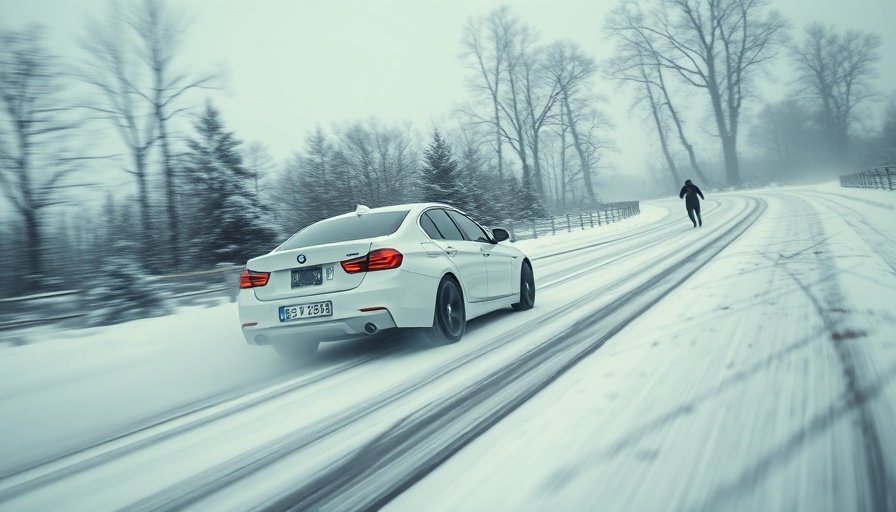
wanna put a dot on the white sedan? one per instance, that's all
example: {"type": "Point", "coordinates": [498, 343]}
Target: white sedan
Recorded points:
{"type": "Point", "coordinates": [427, 266]}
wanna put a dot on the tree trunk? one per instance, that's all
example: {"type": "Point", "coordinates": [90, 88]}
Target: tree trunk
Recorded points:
{"type": "Point", "coordinates": [562, 162]}
{"type": "Point", "coordinates": [143, 198]}
{"type": "Point", "coordinates": [732, 167]}
{"type": "Point", "coordinates": [729, 142]}
{"type": "Point", "coordinates": [586, 167]}
{"type": "Point", "coordinates": [536, 166]}
{"type": "Point", "coordinates": [498, 140]}
{"type": "Point", "coordinates": [35, 256]}
{"type": "Point", "coordinates": [662, 134]}
{"type": "Point", "coordinates": [170, 194]}
{"type": "Point", "coordinates": [684, 141]}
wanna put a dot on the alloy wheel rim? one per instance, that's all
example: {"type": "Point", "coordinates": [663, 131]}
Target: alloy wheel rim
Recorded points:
{"type": "Point", "coordinates": [452, 313]}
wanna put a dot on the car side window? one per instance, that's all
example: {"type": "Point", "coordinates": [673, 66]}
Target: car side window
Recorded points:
{"type": "Point", "coordinates": [471, 229]}
{"type": "Point", "coordinates": [430, 228]}
{"type": "Point", "coordinates": [444, 224]}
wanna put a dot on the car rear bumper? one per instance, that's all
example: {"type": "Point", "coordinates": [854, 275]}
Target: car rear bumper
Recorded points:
{"type": "Point", "coordinates": [385, 299]}
{"type": "Point", "coordinates": [327, 329]}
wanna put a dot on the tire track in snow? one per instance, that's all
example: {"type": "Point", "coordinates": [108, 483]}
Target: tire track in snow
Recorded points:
{"type": "Point", "coordinates": [857, 396]}
{"type": "Point", "coordinates": [871, 235]}
{"type": "Point", "coordinates": [643, 232]}
{"type": "Point", "coordinates": [22, 480]}
{"type": "Point", "coordinates": [602, 260]}
{"type": "Point", "coordinates": [817, 426]}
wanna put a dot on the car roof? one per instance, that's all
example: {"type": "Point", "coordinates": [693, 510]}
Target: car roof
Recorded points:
{"type": "Point", "coordinates": [413, 207]}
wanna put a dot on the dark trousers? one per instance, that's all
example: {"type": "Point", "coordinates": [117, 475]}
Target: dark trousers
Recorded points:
{"type": "Point", "coordinates": [691, 211]}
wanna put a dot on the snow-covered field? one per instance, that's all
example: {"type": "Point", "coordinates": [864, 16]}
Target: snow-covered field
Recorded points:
{"type": "Point", "coordinates": [745, 365]}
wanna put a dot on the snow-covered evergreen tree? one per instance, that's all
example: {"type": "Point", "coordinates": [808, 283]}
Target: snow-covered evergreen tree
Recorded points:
{"type": "Point", "coordinates": [478, 184]}
{"type": "Point", "coordinates": [229, 223]}
{"type": "Point", "coordinates": [325, 187]}
{"type": "Point", "coordinates": [312, 186]}
{"type": "Point", "coordinates": [531, 204]}
{"type": "Point", "coordinates": [440, 178]}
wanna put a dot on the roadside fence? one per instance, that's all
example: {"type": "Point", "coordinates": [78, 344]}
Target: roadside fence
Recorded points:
{"type": "Point", "coordinates": [606, 214]}
{"type": "Point", "coordinates": [879, 177]}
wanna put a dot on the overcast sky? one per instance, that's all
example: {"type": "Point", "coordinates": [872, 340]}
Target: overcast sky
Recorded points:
{"type": "Point", "coordinates": [293, 65]}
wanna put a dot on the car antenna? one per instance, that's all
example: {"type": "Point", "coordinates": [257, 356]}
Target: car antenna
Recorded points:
{"type": "Point", "coordinates": [361, 210]}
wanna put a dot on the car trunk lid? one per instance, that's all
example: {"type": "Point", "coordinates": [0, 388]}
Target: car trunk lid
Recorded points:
{"type": "Point", "coordinates": [309, 271]}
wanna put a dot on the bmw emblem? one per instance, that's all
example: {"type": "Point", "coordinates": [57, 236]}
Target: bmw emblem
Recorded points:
{"type": "Point", "coordinates": [300, 258]}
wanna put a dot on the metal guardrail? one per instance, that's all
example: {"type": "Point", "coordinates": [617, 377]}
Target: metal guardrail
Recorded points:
{"type": "Point", "coordinates": [607, 214]}
{"type": "Point", "coordinates": [879, 177]}
{"type": "Point", "coordinates": [54, 310]}
{"type": "Point", "coordinates": [220, 282]}
{"type": "Point", "coordinates": [67, 307]}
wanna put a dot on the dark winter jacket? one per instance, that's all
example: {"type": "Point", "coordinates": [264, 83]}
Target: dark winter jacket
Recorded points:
{"type": "Point", "coordinates": [692, 192]}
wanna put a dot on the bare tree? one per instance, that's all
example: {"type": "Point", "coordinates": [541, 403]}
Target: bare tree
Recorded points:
{"type": "Point", "coordinates": [635, 65]}
{"type": "Point", "coordinates": [541, 93]}
{"type": "Point", "coordinates": [378, 161]}
{"type": "Point", "coordinates": [500, 49]}
{"type": "Point", "coordinates": [486, 45]}
{"type": "Point", "coordinates": [513, 106]}
{"type": "Point", "coordinates": [716, 45]}
{"type": "Point", "coordinates": [162, 29]}
{"type": "Point", "coordinates": [37, 126]}
{"type": "Point", "coordinates": [121, 82]}
{"type": "Point", "coordinates": [887, 146]}
{"type": "Point", "coordinates": [133, 53]}
{"type": "Point", "coordinates": [572, 71]}
{"type": "Point", "coordinates": [632, 67]}
{"type": "Point", "coordinates": [835, 72]}
{"type": "Point", "coordinates": [259, 162]}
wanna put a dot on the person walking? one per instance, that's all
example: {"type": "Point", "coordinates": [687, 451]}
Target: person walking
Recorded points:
{"type": "Point", "coordinates": [693, 204]}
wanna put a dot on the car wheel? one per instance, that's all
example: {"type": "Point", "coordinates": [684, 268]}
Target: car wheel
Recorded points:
{"type": "Point", "coordinates": [527, 289]}
{"type": "Point", "coordinates": [296, 351]}
{"type": "Point", "coordinates": [449, 319]}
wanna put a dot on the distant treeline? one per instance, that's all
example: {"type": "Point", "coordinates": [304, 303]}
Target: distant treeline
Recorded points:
{"type": "Point", "coordinates": [532, 139]}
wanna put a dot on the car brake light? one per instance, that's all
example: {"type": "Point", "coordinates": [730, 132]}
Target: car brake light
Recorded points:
{"type": "Point", "coordinates": [252, 279]}
{"type": "Point", "coordinates": [380, 259]}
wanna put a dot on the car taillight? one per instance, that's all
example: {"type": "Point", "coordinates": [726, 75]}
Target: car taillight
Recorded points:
{"type": "Point", "coordinates": [252, 279]}
{"type": "Point", "coordinates": [380, 259]}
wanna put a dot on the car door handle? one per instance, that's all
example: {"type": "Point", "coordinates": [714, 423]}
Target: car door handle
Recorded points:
{"type": "Point", "coordinates": [451, 251]}
{"type": "Point", "coordinates": [484, 251]}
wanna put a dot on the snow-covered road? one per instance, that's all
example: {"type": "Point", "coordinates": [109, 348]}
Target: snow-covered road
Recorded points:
{"type": "Point", "coordinates": [745, 365]}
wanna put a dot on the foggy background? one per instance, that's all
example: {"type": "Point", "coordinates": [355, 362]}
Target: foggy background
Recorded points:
{"type": "Point", "coordinates": [274, 114]}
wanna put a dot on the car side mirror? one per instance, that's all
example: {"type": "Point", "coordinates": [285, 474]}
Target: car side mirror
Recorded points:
{"type": "Point", "coordinates": [500, 234]}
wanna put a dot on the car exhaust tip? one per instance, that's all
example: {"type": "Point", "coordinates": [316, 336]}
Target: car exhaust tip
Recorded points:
{"type": "Point", "coordinates": [370, 328]}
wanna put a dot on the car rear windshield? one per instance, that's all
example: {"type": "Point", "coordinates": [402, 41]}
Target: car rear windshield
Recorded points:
{"type": "Point", "coordinates": [343, 229]}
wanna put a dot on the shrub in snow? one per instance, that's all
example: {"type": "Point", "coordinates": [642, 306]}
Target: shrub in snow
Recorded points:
{"type": "Point", "coordinates": [123, 291]}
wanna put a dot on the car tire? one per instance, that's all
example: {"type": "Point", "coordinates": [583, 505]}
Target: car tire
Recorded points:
{"type": "Point", "coordinates": [527, 289]}
{"type": "Point", "coordinates": [296, 351]}
{"type": "Point", "coordinates": [449, 318]}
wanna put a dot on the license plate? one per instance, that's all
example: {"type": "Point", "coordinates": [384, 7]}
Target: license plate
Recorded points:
{"type": "Point", "coordinates": [310, 276]}
{"type": "Point", "coordinates": [306, 311]}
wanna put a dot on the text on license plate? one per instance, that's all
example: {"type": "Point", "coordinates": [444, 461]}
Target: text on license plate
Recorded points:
{"type": "Point", "coordinates": [306, 311]}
